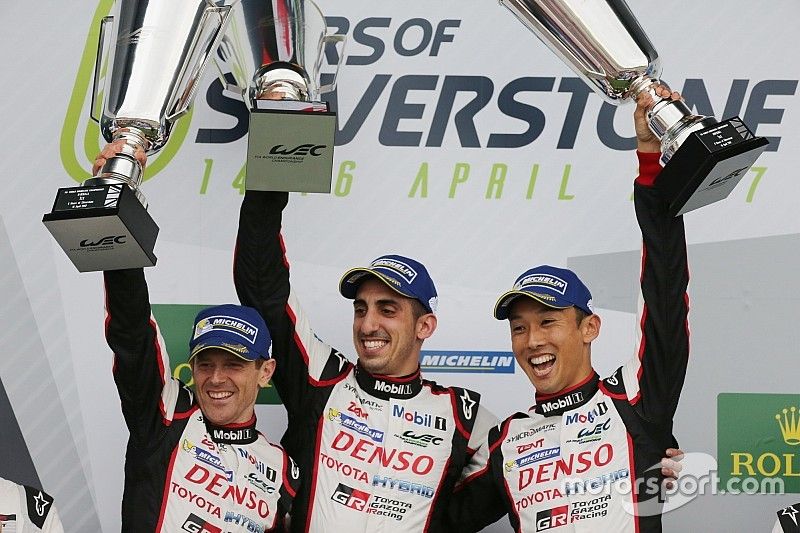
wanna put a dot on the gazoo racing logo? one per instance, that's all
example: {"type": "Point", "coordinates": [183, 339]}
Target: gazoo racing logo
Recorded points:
{"type": "Point", "coordinates": [350, 497]}
{"type": "Point", "coordinates": [221, 322]}
{"type": "Point", "coordinates": [421, 419]}
{"type": "Point", "coordinates": [104, 241]}
{"type": "Point", "coordinates": [349, 422]}
{"type": "Point", "coordinates": [542, 280]}
{"type": "Point", "coordinates": [587, 416]}
{"type": "Point", "coordinates": [195, 524]}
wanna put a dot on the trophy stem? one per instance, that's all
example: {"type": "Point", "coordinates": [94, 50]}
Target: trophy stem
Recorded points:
{"type": "Point", "coordinates": [124, 168]}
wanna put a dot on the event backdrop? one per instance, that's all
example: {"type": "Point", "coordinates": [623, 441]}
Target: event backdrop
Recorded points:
{"type": "Point", "coordinates": [461, 141]}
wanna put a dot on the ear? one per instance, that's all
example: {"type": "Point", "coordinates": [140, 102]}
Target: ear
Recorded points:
{"type": "Point", "coordinates": [426, 325]}
{"type": "Point", "coordinates": [265, 372]}
{"type": "Point", "coordinates": [590, 328]}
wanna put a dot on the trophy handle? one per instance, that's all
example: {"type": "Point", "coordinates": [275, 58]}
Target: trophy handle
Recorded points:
{"type": "Point", "coordinates": [98, 63]}
{"type": "Point", "coordinates": [331, 38]}
{"type": "Point", "coordinates": [188, 93]}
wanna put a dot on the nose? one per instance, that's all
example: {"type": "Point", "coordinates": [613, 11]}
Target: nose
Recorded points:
{"type": "Point", "coordinates": [535, 338]}
{"type": "Point", "coordinates": [217, 375]}
{"type": "Point", "coordinates": [370, 322]}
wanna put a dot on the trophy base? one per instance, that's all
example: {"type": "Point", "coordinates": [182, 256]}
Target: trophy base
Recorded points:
{"type": "Point", "coordinates": [708, 165]}
{"type": "Point", "coordinates": [102, 228]}
{"type": "Point", "coordinates": [290, 150]}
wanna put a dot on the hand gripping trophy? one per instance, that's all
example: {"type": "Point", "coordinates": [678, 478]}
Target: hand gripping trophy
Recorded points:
{"type": "Point", "coordinates": [271, 56]}
{"type": "Point", "coordinates": [602, 41]}
{"type": "Point", "coordinates": [158, 52]}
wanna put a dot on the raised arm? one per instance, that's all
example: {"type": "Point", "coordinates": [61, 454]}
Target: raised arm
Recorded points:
{"type": "Point", "coordinates": [261, 275]}
{"type": "Point", "coordinates": [654, 378]}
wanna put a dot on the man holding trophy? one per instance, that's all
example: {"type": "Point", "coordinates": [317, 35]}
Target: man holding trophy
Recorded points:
{"type": "Point", "coordinates": [587, 454]}
{"type": "Point", "coordinates": [194, 460]}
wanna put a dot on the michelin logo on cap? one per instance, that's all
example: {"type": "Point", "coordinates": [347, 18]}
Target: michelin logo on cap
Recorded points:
{"type": "Point", "coordinates": [542, 280]}
{"type": "Point", "coordinates": [398, 266]}
{"type": "Point", "coordinates": [220, 322]}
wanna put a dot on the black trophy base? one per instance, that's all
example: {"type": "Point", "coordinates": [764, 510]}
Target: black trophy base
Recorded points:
{"type": "Point", "coordinates": [708, 165]}
{"type": "Point", "coordinates": [102, 227]}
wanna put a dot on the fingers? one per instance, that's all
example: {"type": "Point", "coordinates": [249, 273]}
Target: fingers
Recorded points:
{"type": "Point", "coordinates": [112, 149]}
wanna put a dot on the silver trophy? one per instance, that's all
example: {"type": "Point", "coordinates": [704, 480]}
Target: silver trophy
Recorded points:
{"type": "Point", "coordinates": [158, 50]}
{"type": "Point", "coordinates": [602, 41]}
{"type": "Point", "coordinates": [271, 56]}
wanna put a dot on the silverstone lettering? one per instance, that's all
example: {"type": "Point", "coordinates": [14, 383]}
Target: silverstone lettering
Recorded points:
{"type": "Point", "coordinates": [457, 100]}
{"type": "Point", "coordinates": [368, 452]}
{"type": "Point", "coordinates": [572, 464]}
{"type": "Point", "coordinates": [218, 485]}
{"type": "Point", "coordinates": [420, 419]}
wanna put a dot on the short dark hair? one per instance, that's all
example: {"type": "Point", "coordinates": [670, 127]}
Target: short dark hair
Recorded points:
{"type": "Point", "coordinates": [417, 309]}
{"type": "Point", "coordinates": [580, 314]}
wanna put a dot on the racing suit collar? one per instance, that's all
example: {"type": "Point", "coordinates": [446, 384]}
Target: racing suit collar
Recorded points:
{"type": "Point", "coordinates": [569, 398]}
{"type": "Point", "coordinates": [233, 433]}
{"type": "Point", "coordinates": [386, 387]}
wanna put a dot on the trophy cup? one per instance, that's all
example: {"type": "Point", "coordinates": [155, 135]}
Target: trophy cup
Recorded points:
{"type": "Point", "coordinates": [273, 51]}
{"type": "Point", "coordinates": [602, 41]}
{"type": "Point", "coordinates": [158, 51]}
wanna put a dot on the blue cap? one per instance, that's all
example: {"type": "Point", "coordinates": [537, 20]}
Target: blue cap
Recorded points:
{"type": "Point", "coordinates": [401, 274]}
{"type": "Point", "coordinates": [236, 329]}
{"type": "Point", "coordinates": [554, 287]}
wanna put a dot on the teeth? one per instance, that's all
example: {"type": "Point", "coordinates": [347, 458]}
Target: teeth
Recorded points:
{"type": "Point", "coordinates": [220, 395]}
{"type": "Point", "coordinates": [541, 359]}
{"type": "Point", "coordinates": [373, 345]}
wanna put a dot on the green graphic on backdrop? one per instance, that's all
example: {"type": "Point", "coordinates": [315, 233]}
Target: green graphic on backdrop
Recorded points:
{"type": "Point", "coordinates": [176, 322]}
{"type": "Point", "coordinates": [78, 166]}
{"type": "Point", "coordinates": [758, 436]}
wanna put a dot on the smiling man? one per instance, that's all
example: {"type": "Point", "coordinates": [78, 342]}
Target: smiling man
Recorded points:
{"type": "Point", "coordinates": [379, 447]}
{"type": "Point", "coordinates": [586, 456]}
{"type": "Point", "coordinates": [194, 461]}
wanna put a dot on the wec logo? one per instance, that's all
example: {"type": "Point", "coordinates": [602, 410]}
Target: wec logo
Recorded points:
{"type": "Point", "coordinates": [303, 149]}
{"type": "Point", "coordinates": [105, 241]}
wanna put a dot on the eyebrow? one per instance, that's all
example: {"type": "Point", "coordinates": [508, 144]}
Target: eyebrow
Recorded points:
{"type": "Point", "coordinates": [382, 301]}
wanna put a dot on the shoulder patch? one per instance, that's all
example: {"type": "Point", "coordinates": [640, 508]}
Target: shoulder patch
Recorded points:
{"type": "Point", "coordinates": [39, 505]}
{"type": "Point", "coordinates": [614, 383]}
{"type": "Point", "coordinates": [466, 406]}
